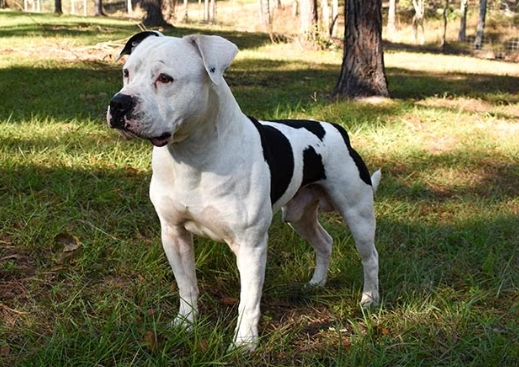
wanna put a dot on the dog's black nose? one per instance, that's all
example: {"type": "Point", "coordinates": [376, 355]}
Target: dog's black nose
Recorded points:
{"type": "Point", "coordinates": [120, 105]}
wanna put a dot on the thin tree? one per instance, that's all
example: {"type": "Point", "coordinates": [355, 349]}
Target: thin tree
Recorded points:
{"type": "Point", "coordinates": [326, 17]}
{"type": "Point", "coordinates": [212, 11]}
{"type": "Point", "coordinates": [207, 15]}
{"type": "Point", "coordinates": [98, 6]}
{"type": "Point", "coordinates": [153, 17]}
{"type": "Point", "coordinates": [264, 13]}
{"type": "Point", "coordinates": [362, 73]}
{"type": "Point", "coordinates": [335, 17]}
{"type": "Point", "coordinates": [462, 35]}
{"type": "Point", "coordinates": [57, 7]}
{"type": "Point", "coordinates": [391, 18]}
{"type": "Point", "coordinates": [443, 44]}
{"type": "Point", "coordinates": [186, 13]}
{"type": "Point", "coordinates": [418, 20]}
{"type": "Point", "coordinates": [308, 20]}
{"type": "Point", "coordinates": [329, 15]}
{"type": "Point", "coordinates": [478, 43]}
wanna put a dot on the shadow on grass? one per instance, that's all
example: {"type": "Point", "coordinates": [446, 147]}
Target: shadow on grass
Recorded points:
{"type": "Point", "coordinates": [498, 89]}
{"type": "Point", "coordinates": [50, 25]}
{"type": "Point", "coordinates": [264, 88]}
{"type": "Point", "coordinates": [485, 176]}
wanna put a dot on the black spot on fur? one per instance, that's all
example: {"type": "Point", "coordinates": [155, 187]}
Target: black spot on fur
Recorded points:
{"type": "Point", "coordinates": [279, 156]}
{"type": "Point", "coordinates": [135, 40]}
{"type": "Point", "coordinates": [313, 168]}
{"type": "Point", "coordinates": [314, 127]}
{"type": "Point", "coordinates": [363, 170]}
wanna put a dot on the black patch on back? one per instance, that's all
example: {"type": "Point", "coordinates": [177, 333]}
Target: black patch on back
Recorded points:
{"type": "Point", "coordinates": [313, 126]}
{"type": "Point", "coordinates": [279, 156]}
{"type": "Point", "coordinates": [363, 170]}
{"type": "Point", "coordinates": [313, 168]}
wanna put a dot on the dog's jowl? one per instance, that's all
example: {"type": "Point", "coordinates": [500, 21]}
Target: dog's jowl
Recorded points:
{"type": "Point", "coordinates": [221, 174]}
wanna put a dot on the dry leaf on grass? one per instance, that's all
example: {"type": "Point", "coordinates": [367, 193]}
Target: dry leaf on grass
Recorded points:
{"type": "Point", "coordinates": [70, 244]}
{"type": "Point", "coordinates": [5, 350]}
{"type": "Point", "coordinates": [149, 341]}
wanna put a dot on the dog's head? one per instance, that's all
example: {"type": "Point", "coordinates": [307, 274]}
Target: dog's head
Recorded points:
{"type": "Point", "coordinates": [167, 84]}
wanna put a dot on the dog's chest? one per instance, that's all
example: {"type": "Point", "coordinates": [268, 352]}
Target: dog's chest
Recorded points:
{"type": "Point", "coordinates": [204, 202]}
{"type": "Point", "coordinates": [191, 209]}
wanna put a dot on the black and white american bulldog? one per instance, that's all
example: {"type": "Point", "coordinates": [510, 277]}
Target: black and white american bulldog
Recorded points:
{"type": "Point", "coordinates": [220, 174]}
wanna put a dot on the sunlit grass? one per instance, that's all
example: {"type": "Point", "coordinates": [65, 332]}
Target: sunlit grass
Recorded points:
{"type": "Point", "coordinates": [447, 211]}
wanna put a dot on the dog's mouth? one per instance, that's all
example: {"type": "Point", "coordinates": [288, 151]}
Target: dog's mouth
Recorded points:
{"type": "Point", "coordinates": [158, 141]}
{"type": "Point", "coordinates": [161, 140]}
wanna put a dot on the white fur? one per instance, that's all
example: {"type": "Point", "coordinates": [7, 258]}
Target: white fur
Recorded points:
{"type": "Point", "coordinates": [211, 179]}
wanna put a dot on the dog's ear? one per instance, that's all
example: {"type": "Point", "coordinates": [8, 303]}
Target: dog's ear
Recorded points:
{"type": "Point", "coordinates": [217, 54]}
{"type": "Point", "coordinates": [135, 40]}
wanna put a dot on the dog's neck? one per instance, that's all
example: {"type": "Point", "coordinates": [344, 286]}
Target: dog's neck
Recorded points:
{"type": "Point", "coordinates": [206, 133]}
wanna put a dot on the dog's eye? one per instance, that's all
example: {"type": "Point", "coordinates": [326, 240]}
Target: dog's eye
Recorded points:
{"type": "Point", "coordinates": [164, 78]}
{"type": "Point", "coordinates": [126, 73]}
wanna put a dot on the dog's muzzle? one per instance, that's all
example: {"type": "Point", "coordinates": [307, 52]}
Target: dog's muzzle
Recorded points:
{"type": "Point", "coordinates": [121, 105]}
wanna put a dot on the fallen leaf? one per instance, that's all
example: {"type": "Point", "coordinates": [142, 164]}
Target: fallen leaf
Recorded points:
{"type": "Point", "coordinates": [70, 245]}
{"type": "Point", "coordinates": [5, 350]}
{"type": "Point", "coordinates": [229, 301]}
{"type": "Point", "coordinates": [150, 341]}
{"type": "Point", "coordinates": [202, 346]}
{"type": "Point", "coordinates": [70, 242]}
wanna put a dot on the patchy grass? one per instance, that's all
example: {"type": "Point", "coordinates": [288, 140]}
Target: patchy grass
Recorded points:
{"type": "Point", "coordinates": [84, 282]}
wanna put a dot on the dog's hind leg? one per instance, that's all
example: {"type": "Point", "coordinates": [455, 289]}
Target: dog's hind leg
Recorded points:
{"type": "Point", "coordinates": [302, 215]}
{"type": "Point", "coordinates": [356, 207]}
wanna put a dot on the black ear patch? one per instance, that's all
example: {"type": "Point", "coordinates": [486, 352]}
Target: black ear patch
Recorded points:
{"type": "Point", "coordinates": [135, 40]}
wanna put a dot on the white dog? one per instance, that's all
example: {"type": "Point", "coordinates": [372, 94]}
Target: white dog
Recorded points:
{"type": "Point", "coordinates": [220, 174]}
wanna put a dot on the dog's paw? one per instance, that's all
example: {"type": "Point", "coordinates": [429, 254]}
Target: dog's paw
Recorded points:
{"type": "Point", "coordinates": [369, 299]}
{"type": "Point", "coordinates": [183, 322]}
{"type": "Point", "coordinates": [244, 345]}
{"type": "Point", "coordinates": [315, 283]}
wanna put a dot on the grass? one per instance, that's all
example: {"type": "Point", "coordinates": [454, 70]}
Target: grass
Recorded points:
{"type": "Point", "coordinates": [84, 282]}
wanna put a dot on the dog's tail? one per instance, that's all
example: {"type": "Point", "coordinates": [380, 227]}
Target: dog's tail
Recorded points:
{"type": "Point", "coordinates": [375, 179]}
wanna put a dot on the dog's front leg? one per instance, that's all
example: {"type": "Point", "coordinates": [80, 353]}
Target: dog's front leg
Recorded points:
{"type": "Point", "coordinates": [178, 246]}
{"type": "Point", "coordinates": [251, 261]}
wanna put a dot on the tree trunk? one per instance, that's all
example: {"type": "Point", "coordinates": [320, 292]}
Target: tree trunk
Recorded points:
{"type": "Point", "coordinates": [478, 43]}
{"type": "Point", "coordinates": [335, 17]}
{"type": "Point", "coordinates": [444, 36]}
{"type": "Point", "coordinates": [264, 13]}
{"type": "Point", "coordinates": [462, 35]}
{"type": "Point", "coordinates": [326, 17]}
{"type": "Point", "coordinates": [57, 7]}
{"type": "Point", "coordinates": [98, 7]}
{"type": "Point", "coordinates": [186, 12]}
{"type": "Point", "coordinates": [308, 20]}
{"type": "Point", "coordinates": [212, 11]}
{"type": "Point", "coordinates": [206, 11]}
{"type": "Point", "coordinates": [153, 17]}
{"type": "Point", "coordinates": [362, 72]}
{"type": "Point", "coordinates": [391, 17]}
{"type": "Point", "coordinates": [418, 20]}
{"type": "Point", "coordinates": [168, 9]}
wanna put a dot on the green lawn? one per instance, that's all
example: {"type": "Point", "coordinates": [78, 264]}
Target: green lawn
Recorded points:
{"type": "Point", "coordinates": [83, 279]}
